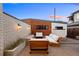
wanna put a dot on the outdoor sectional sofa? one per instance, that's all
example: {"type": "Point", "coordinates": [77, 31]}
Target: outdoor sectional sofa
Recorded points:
{"type": "Point", "coordinates": [53, 39]}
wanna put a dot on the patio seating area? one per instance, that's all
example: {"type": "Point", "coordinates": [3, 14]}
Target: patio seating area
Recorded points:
{"type": "Point", "coordinates": [69, 47]}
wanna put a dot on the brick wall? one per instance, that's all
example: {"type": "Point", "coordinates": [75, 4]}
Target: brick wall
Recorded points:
{"type": "Point", "coordinates": [1, 31]}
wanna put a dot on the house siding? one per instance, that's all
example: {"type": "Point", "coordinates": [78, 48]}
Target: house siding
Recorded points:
{"type": "Point", "coordinates": [76, 17]}
{"type": "Point", "coordinates": [73, 31]}
{"type": "Point", "coordinates": [61, 33]}
{"type": "Point", "coordinates": [73, 27]}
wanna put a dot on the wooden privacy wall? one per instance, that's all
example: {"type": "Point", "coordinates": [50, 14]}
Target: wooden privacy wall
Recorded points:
{"type": "Point", "coordinates": [34, 23]}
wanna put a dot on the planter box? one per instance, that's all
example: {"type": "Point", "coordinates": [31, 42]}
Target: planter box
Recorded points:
{"type": "Point", "coordinates": [16, 50]}
{"type": "Point", "coordinates": [77, 37]}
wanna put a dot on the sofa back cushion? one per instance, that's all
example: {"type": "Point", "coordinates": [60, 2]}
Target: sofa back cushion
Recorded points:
{"type": "Point", "coordinates": [39, 34]}
{"type": "Point", "coordinates": [53, 38]}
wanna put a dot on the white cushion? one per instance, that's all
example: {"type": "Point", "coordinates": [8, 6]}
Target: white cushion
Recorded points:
{"type": "Point", "coordinates": [39, 34]}
{"type": "Point", "coordinates": [50, 35]}
{"type": "Point", "coordinates": [53, 38]}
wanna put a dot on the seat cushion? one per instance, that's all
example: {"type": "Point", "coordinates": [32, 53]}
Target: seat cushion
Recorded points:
{"type": "Point", "coordinates": [53, 38]}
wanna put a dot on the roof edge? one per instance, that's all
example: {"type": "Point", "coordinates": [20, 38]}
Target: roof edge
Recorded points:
{"type": "Point", "coordinates": [10, 15]}
{"type": "Point", "coordinates": [44, 20]}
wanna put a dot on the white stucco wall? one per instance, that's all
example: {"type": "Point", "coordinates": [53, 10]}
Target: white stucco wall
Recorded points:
{"type": "Point", "coordinates": [10, 31]}
{"type": "Point", "coordinates": [12, 34]}
{"type": "Point", "coordinates": [25, 31]}
{"type": "Point", "coordinates": [76, 17]}
{"type": "Point", "coordinates": [61, 33]}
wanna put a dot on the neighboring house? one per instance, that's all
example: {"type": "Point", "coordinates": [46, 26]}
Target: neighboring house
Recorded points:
{"type": "Point", "coordinates": [73, 25]}
{"type": "Point", "coordinates": [47, 27]}
{"type": "Point", "coordinates": [59, 28]}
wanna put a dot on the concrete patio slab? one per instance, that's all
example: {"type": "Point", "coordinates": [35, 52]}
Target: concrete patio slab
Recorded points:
{"type": "Point", "coordinates": [68, 47]}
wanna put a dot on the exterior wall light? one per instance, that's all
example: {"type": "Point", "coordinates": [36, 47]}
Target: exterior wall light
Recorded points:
{"type": "Point", "coordinates": [19, 27]}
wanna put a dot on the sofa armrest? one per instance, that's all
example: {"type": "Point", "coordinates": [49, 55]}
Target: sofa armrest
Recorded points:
{"type": "Point", "coordinates": [60, 39]}
{"type": "Point", "coordinates": [54, 44]}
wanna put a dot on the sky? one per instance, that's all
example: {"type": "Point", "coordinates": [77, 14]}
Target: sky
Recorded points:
{"type": "Point", "coordinates": [44, 11]}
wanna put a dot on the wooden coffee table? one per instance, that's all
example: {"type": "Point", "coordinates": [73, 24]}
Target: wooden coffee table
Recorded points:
{"type": "Point", "coordinates": [39, 45]}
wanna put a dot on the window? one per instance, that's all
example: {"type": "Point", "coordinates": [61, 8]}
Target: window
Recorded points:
{"type": "Point", "coordinates": [59, 27]}
{"type": "Point", "coordinates": [41, 27]}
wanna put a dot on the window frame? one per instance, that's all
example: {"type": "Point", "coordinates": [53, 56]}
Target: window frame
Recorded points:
{"type": "Point", "coordinates": [41, 27]}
